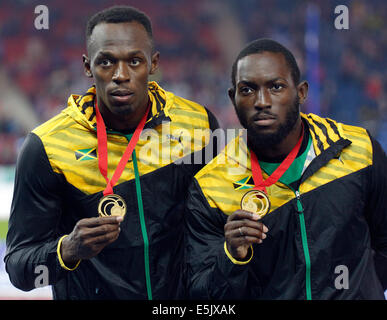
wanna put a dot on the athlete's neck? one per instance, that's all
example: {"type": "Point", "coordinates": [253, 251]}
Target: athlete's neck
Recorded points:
{"type": "Point", "coordinates": [125, 123]}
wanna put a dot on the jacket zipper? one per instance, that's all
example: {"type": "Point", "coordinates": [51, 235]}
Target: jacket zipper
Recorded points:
{"type": "Point", "coordinates": [142, 223]}
{"type": "Point", "coordinates": [305, 247]}
{"type": "Point", "coordinates": [141, 215]}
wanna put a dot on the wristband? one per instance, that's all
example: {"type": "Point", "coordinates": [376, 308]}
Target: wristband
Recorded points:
{"type": "Point", "coordinates": [62, 264]}
{"type": "Point", "coordinates": [233, 260]}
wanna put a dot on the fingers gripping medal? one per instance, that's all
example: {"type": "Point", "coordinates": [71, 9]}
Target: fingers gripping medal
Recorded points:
{"type": "Point", "coordinates": [112, 204]}
{"type": "Point", "coordinates": [257, 200]}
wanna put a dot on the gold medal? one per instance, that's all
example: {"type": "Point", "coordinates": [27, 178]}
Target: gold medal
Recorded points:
{"type": "Point", "coordinates": [256, 201]}
{"type": "Point", "coordinates": [112, 205]}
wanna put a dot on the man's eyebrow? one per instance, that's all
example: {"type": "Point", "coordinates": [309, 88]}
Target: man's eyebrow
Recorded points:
{"type": "Point", "coordinates": [254, 84]}
{"type": "Point", "coordinates": [276, 79]}
{"type": "Point", "coordinates": [109, 54]}
{"type": "Point", "coordinates": [105, 54]}
{"type": "Point", "coordinates": [247, 83]}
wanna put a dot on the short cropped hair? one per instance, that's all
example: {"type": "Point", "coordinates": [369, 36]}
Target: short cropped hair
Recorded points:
{"type": "Point", "coordinates": [267, 45]}
{"type": "Point", "coordinates": [119, 14]}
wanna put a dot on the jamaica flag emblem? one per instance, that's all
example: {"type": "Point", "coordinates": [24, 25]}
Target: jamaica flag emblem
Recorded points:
{"type": "Point", "coordinates": [245, 183]}
{"type": "Point", "coordinates": [86, 154]}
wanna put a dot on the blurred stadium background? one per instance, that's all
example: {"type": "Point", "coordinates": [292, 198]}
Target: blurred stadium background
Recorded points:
{"type": "Point", "coordinates": [198, 41]}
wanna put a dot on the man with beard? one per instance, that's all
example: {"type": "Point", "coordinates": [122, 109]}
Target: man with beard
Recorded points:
{"type": "Point", "coordinates": [298, 211]}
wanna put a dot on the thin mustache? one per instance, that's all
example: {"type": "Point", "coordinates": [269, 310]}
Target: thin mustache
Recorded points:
{"type": "Point", "coordinates": [121, 90]}
{"type": "Point", "coordinates": [266, 115]}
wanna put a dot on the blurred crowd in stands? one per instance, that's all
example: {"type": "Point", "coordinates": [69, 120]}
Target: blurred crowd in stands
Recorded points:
{"type": "Point", "coordinates": [46, 65]}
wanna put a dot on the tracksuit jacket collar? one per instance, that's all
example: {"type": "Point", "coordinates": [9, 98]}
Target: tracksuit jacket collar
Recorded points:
{"type": "Point", "coordinates": [328, 141]}
{"type": "Point", "coordinates": [81, 107]}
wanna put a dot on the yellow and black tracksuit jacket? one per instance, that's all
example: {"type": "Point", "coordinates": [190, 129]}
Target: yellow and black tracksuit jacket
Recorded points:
{"type": "Point", "coordinates": [58, 183]}
{"type": "Point", "coordinates": [327, 234]}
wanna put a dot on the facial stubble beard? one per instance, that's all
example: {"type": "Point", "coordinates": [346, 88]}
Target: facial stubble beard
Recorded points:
{"type": "Point", "coordinates": [258, 140]}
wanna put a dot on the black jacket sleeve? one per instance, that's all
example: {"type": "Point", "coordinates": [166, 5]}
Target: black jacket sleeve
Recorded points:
{"type": "Point", "coordinates": [32, 236]}
{"type": "Point", "coordinates": [210, 273]}
{"type": "Point", "coordinates": [216, 142]}
{"type": "Point", "coordinates": [377, 210]}
{"type": "Point", "coordinates": [213, 122]}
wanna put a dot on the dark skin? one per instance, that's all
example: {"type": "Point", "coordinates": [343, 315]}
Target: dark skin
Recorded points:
{"type": "Point", "coordinates": [120, 59]}
{"type": "Point", "coordinates": [263, 85]}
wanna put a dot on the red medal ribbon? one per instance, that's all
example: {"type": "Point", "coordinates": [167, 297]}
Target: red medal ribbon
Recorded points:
{"type": "Point", "coordinates": [261, 184]}
{"type": "Point", "coordinates": [103, 153]}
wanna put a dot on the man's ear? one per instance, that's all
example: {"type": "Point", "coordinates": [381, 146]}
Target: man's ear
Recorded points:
{"type": "Point", "coordinates": [86, 66]}
{"type": "Point", "coordinates": [155, 62]}
{"type": "Point", "coordinates": [302, 91]}
{"type": "Point", "coordinates": [231, 94]}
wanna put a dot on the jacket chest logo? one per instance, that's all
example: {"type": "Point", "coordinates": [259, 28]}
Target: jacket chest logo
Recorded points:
{"type": "Point", "coordinates": [245, 183]}
{"type": "Point", "coordinates": [86, 154]}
